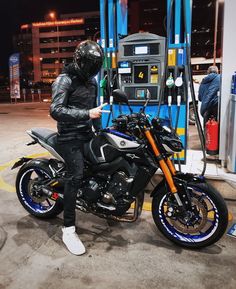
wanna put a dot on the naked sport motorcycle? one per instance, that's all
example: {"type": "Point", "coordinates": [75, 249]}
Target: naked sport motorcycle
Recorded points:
{"type": "Point", "coordinates": [119, 163]}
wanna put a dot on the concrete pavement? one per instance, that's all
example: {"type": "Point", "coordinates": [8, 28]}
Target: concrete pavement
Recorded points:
{"type": "Point", "coordinates": [118, 255]}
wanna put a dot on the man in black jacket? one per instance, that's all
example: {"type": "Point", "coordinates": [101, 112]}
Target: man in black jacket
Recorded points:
{"type": "Point", "coordinates": [74, 108]}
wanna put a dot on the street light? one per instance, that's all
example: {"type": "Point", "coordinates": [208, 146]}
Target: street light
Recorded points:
{"type": "Point", "coordinates": [53, 17]}
{"type": "Point", "coordinates": [41, 67]}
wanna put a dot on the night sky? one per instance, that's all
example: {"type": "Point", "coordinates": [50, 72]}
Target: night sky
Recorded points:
{"type": "Point", "coordinates": [13, 13]}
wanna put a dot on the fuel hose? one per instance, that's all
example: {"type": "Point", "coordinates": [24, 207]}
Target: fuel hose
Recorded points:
{"type": "Point", "coordinates": [163, 79]}
{"type": "Point", "coordinates": [189, 69]}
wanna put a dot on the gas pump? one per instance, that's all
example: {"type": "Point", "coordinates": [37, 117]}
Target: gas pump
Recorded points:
{"type": "Point", "coordinates": [145, 61]}
{"type": "Point", "coordinates": [173, 103]}
{"type": "Point", "coordinates": [140, 66]}
{"type": "Point", "coordinates": [140, 69]}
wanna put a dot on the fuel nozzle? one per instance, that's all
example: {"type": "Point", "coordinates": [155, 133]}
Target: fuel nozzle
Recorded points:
{"type": "Point", "coordinates": [170, 84]}
{"type": "Point", "coordinates": [179, 80]}
{"type": "Point", "coordinates": [170, 81]}
{"type": "Point", "coordinates": [178, 84]}
{"type": "Point", "coordinates": [103, 84]}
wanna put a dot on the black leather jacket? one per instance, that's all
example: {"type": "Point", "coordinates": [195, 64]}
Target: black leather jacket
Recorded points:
{"type": "Point", "coordinates": [71, 101]}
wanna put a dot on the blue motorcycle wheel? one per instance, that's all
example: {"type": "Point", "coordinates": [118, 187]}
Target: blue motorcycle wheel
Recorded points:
{"type": "Point", "coordinates": [199, 228]}
{"type": "Point", "coordinates": [38, 205]}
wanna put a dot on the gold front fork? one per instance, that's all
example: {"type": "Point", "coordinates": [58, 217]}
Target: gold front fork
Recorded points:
{"type": "Point", "coordinates": [171, 166]}
{"type": "Point", "coordinates": [167, 167]}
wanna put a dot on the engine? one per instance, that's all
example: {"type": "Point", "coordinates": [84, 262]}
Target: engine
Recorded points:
{"type": "Point", "coordinates": [91, 190]}
{"type": "Point", "coordinates": [117, 194]}
{"type": "Point", "coordinates": [107, 197]}
{"type": "Point", "coordinates": [119, 186]}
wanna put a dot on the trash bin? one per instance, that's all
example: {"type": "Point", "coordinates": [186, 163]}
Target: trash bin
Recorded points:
{"type": "Point", "coordinates": [231, 148]}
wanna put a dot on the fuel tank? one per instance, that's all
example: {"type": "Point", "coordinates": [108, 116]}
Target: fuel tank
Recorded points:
{"type": "Point", "coordinates": [107, 146]}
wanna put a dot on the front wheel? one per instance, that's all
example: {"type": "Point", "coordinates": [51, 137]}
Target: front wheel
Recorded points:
{"type": "Point", "coordinates": [201, 226]}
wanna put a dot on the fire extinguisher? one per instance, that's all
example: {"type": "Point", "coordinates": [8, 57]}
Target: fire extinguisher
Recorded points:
{"type": "Point", "coordinates": [212, 137]}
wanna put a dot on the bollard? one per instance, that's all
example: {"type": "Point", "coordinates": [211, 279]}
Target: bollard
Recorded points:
{"type": "Point", "coordinates": [32, 95]}
{"type": "Point", "coordinates": [24, 94]}
{"type": "Point", "coordinates": [39, 93]}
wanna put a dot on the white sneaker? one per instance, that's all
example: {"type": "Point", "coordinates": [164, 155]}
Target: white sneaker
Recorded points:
{"type": "Point", "coordinates": [72, 241]}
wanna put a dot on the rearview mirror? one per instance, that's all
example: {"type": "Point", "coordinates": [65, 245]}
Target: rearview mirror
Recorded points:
{"type": "Point", "coordinates": [120, 96]}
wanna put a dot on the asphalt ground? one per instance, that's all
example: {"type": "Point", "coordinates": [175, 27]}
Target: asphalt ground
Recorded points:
{"type": "Point", "coordinates": [118, 255]}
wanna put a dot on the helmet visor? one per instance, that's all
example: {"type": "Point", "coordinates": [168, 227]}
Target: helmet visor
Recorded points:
{"type": "Point", "coordinates": [91, 67]}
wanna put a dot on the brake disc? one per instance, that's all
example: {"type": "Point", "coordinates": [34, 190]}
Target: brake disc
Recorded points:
{"type": "Point", "coordinates": [181, 225]}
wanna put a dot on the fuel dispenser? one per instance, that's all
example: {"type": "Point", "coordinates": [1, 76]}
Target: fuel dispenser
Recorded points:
{"type": "Point", "coordinates": [173, 102]}
{"type": "Point", "coordinates": [140, 66]}
{"type": "Point", "coordinates": [144, 63]}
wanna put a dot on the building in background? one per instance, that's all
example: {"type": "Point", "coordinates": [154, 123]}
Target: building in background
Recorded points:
{"type": "Point", "coordinates": [46, 46]}
{"type": "Point", "coordinates": [150, 16]}
{"type": "Point", "coordinates": [147, 16]}
{"type": "Point", "coordinates": [203, 28]}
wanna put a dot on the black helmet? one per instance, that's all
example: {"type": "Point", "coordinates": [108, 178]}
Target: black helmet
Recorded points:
{"type": "Point", "coordinates": [88, 59]}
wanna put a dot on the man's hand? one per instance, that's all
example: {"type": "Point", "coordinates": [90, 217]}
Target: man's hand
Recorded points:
{"type": "Point", "coordinates": [97, 111]}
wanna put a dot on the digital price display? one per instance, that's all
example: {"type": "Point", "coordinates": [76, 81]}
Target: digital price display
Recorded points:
{"type": "Point", "coordinates": [141, 74]}
{"type": "Point", "coordinates": [140, 50]}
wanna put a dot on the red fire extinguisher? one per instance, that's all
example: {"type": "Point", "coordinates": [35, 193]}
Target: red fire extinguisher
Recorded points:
{"type": "Point", "coordinates": [212, 137]}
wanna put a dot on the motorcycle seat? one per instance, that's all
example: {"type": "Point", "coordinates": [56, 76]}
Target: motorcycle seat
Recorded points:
{"type": "Point", "coordinates": [48, 136]}
{"type": "Point", "coordinates": [49, 140]}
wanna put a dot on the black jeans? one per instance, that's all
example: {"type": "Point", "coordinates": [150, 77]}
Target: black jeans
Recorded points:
{"type": "Point", "coordinates": [72, 153]}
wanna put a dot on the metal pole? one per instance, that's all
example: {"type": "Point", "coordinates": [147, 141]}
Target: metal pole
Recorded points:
{"type": "Point", "coordinates": [32, 95]}
{"type": "Point", "coordinates": [39, 94]}
{"type": "Point", "coordinates": [24, 94]}
{"type": "Point", "coordinates": [215, 32]}
{"type": "Point", "coordinates": [58, 50]}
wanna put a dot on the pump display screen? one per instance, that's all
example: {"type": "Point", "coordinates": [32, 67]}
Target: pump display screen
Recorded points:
{"type": "Point", "coordinates": [140, 50]}
{"type": "Point", "coordinates": [140, 94]}
{"type": "Point", "coordinates": [141, 74]}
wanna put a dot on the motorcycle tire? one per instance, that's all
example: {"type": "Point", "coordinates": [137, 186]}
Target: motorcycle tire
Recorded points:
{"type": "Point", "coordinates": [213, 211]}
{"type": "Point", "coordinates": [43, 208]}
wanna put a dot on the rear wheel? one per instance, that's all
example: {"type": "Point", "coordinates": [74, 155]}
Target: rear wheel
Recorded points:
{"type": "Point", "coordinates": [199, 227]}
{"type": "Point", "coordinates": [29, 177]}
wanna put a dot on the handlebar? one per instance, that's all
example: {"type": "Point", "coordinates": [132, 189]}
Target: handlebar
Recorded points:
{"type": "Point", "coordinates": [131, 120]}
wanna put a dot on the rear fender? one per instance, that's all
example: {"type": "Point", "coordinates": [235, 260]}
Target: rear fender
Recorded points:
{"type": "Point", "coordinates": [20, 162]}
{"type": "Point", "coordinates": [39, 162]}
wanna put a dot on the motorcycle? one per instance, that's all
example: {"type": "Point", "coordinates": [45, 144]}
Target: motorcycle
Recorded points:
{"type": "Point", "coordinates": [120, 161]}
